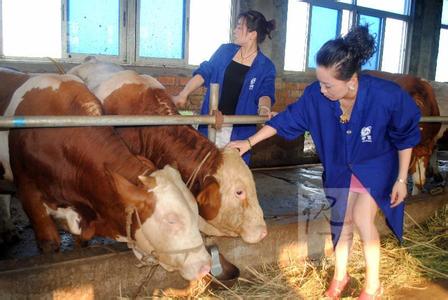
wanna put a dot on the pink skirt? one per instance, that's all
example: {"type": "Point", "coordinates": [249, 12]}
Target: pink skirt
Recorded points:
{"type": "Point", "coordinates": [356, 186]}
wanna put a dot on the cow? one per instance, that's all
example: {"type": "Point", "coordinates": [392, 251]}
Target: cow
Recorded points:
{"type": "Point", "coordinates": [221, 182]}
{"type": "Point", "coordinates": [422, 93]}
{"type": "Point", "coordinates": [86, 178]}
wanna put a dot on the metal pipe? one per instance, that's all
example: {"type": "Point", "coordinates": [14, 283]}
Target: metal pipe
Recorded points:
{"type": "Point", "coordinates": [213, 105]}
{"type": "Point", "coordinates": [436, 119]}
{"type": "Point", "coordinates": [120, 120]}
{"type": "Point", "coordinates": [142, 120]}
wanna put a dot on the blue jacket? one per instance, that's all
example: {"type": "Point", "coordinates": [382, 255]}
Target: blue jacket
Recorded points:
{"type": "Point", "coordinates": [259, 81]}
{"type": "Point", "coordinates": [384, 120]}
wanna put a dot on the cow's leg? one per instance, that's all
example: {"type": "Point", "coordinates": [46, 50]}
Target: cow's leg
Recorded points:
{"type": "Point", "coordinates": [8, 232]}
{"type": "Point", "coordinates": [47, 235]}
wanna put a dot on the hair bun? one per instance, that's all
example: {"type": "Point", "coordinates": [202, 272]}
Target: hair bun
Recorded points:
{"type": "Point", "coordinates": [360, 43]}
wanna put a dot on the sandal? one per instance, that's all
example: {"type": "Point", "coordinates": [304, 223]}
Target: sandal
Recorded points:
{"type": "Point", "coordinates": [337, 287]}
{"type": "Point", "coordinates": [365, 296]}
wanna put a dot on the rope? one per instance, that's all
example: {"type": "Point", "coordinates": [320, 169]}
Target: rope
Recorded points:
{"type": "Point", "coordinates": [150, 259]}
{"type": "Point", "coordinates": [58, 65]}
{"type": "Point", "coordinates": [193, 175]}
{"type": "Point", "coordinates": [219, 119]}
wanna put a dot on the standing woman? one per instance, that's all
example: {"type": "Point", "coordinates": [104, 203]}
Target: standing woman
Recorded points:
{"type": "Point", "coordinates": [364, 129]}
{"type": "Point", "coordinates": [245, 75]}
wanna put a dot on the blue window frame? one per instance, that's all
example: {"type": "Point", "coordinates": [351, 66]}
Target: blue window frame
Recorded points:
{"type": "Point", "coordinates": [329, 19]}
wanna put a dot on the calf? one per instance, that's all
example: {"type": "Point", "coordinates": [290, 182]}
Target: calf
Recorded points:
{"type": "Point", "coordinates": [88, 178]}
{"type": "Point", "coordinates": [222, 183]}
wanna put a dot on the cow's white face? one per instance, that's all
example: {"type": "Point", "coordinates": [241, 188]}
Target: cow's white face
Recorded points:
{"type": "Point", "coordinates": [240, 213]}
{"type": "Point", "coordinates": [173, 228]}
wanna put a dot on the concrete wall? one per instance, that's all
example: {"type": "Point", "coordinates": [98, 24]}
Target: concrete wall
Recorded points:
{"type": "Point", "coordinates": [424, 35]}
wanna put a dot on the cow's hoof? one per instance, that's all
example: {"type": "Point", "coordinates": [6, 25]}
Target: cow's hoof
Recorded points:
{"type": "Point", "coordinates": [49, 246]}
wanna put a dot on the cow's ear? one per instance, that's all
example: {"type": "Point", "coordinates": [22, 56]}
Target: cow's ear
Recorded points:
{"type": "Point", "coordinates": [129, 193]}
{"type": "Point", "coordinates": [148, 181]}
{"type": "Point", "coordinates": [209, 199]}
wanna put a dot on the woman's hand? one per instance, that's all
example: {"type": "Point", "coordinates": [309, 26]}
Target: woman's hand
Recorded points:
{"type": "Point", "coordinates": [242, 145]}
{"type": "Point", "coordinates": [399, 192]}
{"type": "Point", "coordinates": [179, 100]}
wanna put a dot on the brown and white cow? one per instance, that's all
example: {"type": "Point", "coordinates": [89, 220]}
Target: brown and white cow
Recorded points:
{"type": "Point", "coordinates": [423, 95]}
{"type": "Point", "coordinates": [224, 186]}
{"type": "Point", "coordinates": [87, 178]}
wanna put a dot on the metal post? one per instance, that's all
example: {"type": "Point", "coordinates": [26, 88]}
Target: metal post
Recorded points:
{"type": "Point", "coordinates": [213, 105]}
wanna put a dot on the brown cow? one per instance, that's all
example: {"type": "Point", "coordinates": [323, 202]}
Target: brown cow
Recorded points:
{"type": "Point", "coordinates": [422, 93]}
{"type": "Point", "coordinates": [224, 186]}
{"type": "Point", "coordinates": [88, 178]}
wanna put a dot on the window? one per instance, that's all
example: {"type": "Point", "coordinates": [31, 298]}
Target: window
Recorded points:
{"type": "Point", "coordinates": [93, 31]}
{"type": "Point", "coordinates": [442, 57]}
{"type": "Point", "coordinates": [174, 32]}
{"type": "Point", "coordinates": [25, 33]}
{"type": "Point", "coordinates": [311, 23]}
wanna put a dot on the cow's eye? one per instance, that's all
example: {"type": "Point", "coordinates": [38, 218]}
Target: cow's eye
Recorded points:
{"type": "Point", "coordinates": [239, 193]}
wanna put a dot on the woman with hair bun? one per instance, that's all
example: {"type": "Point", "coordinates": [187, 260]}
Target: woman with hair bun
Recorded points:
{"type": "Point", "coordinates": [364, 129]}
{"type": "Point", "coordinates": [245, 75]}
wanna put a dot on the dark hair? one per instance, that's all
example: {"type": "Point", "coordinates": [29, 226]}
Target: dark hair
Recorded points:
{"type": "Point", "coordinates": [255, 21]}
{"type": "Point", "coordinates": [347, 54]}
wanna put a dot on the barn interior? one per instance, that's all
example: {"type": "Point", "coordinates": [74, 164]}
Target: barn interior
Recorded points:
{"type": "Point", "coordinates": [287, 173]}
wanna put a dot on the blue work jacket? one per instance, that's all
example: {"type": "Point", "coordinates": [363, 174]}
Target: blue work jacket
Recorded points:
{"type": "Point", "coordinates": [259, 81]}
{"type": "Point", "coordinates": [384, 120]}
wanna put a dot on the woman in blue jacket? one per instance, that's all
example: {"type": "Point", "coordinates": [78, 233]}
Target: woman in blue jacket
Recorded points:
{"type": "Point", "coordinates": [364, 129]}
{"type": "Point", "coordinates": [245, 75]}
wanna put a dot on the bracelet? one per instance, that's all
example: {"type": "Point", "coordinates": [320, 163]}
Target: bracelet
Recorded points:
{"type": "Point", "coordinates": [400, 180]}
{"type": "Point", "coordinates": [250, 144]}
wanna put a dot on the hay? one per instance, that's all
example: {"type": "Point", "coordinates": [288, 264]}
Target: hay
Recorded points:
{"type": "Point", "coordinates": [424, 254]}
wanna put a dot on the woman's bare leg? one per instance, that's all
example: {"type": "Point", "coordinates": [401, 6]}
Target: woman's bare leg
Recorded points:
{"type": "Point", "coordinates": [364, 212]}
{"type": "Point", "coordinates": [345, 240]}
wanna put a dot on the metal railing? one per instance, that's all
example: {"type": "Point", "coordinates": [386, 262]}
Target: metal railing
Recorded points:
{"type": "Point", "coordinates": [141, 120]}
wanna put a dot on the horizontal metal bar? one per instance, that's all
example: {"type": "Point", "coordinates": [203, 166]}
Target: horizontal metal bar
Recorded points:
{"type": "Point", "coordinates": [437, 119]}
{"type": "Point", "coordinates": [115, 120]}
{"type": "Point", "coordinates": [136, 120]}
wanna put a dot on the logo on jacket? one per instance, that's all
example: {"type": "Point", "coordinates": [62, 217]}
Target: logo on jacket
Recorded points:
{"type": "Point", "coordinates": [252, 83]}
{"type": "Point", "coordinates": [366, 137]}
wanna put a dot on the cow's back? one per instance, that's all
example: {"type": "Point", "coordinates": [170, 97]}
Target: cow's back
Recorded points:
{"type": "Point", "coordinates": [10, 81]}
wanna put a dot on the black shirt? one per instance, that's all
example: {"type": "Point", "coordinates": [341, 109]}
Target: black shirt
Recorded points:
{"type": "Point", "coordinates": [231, 87]}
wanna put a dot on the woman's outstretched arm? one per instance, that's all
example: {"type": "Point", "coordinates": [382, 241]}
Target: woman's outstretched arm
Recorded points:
{"type": "Point", "coordinates": [245, 145]}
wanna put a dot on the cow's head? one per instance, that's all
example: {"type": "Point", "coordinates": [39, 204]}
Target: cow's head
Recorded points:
{"type": "Point", "coordinates": [228, 201]}
{"type": "Point", "coordinates": [169, 223]}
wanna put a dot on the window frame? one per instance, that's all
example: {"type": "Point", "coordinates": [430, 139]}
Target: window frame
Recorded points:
{"type": "Point", "coordinates": [128, 38]}
{"type": "Point", "coordinates": [355, 12]}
